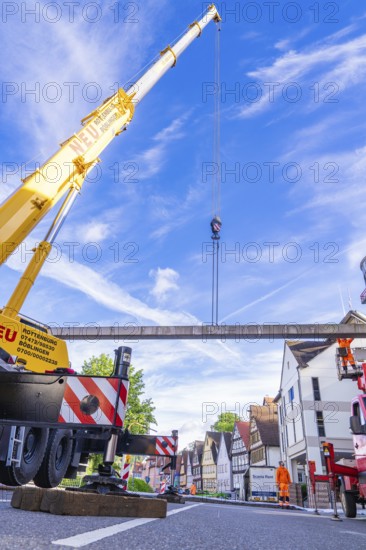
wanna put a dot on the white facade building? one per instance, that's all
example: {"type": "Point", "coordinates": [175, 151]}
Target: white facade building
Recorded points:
{"type": "Point", "coordinates": [240, 456]}
{"type": "Point", "coordinates": [313, 405]}
{"type": "Point", "coordinates": [224, 472]}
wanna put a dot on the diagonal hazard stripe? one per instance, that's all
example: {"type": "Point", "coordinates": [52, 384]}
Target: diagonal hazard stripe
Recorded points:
{"type": "Point", "coordinates": [70, 409]}
{"type": "Point", "coordinates": [80, 391]}
{"type": "Point", "coordinates": [105, 389]}
{"type": "Point", "coordinates": [109, 385]}
{"type": "Point", "coordinates": [121, 407]}
{"type": "Point", "coordinates": [120, 412]}
{"type": "Point", "coordinates": [123, 392]}
{"type": "Point", "coordinates": [162, 449]}
{"type": "Point", "coordinates": [107, 403]}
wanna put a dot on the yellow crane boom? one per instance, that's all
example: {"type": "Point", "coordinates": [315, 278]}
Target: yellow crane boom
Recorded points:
{"type": "Point", "coordinates": [63, 175]}
{"type": "Point", "coordinates": [41, 190]}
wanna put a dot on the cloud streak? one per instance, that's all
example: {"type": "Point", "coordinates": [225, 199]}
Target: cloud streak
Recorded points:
{"type": "Point", "coordinates": [349, 68]}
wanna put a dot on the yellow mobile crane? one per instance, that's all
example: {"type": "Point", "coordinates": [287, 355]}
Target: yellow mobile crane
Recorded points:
{"type": "Point", "coordinates": [49, 416]}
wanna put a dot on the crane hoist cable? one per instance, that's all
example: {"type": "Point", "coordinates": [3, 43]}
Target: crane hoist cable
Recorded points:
{"type": "Point", "coordinates": [216, 184]}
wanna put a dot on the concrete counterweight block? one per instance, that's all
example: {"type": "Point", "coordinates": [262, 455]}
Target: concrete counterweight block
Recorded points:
{"type": "Point", "coordinates": [60, 502]}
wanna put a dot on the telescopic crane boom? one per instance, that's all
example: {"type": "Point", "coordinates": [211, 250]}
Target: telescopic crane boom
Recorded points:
{"type": "Point", "coordinates": [41, 190]}
{"type": "Point", "coordinates": [62, 176]}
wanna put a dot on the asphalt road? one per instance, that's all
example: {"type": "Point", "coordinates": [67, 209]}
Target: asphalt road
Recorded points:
{"type": "Point", "coordinates": [188, 527]}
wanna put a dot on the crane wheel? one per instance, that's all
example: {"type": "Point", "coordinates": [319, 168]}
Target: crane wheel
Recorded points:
{"type": "Point", "coordinates": [348, 502]}
{"type": "Point", "coordinates": [34, 446]}
{"type": "Point", "coordinates": [56, 459]}
{"type": "Point", "coordinates": [7, 476]}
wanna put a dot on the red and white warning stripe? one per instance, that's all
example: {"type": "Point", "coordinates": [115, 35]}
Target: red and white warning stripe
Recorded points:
{"type": "Point", "coordinates": [125, 472]}
{"type": "Point", "coordinates": [162, 488]}
{"type": "Point", "coordinates": [103, 392]}
{"type": "Point", "coordinates": [122, 403]}
{"type": "Point", "coordinates": [165, 445]}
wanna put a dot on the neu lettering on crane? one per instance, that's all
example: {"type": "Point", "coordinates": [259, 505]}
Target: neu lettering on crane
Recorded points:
{"type": "Point", "coordinates": [7, 334]}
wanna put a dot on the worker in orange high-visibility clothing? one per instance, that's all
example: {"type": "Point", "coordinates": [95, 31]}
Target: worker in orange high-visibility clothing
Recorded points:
{"type": "Point", "coordinates": [346, 355]}
{"type": "Point", "coordinates": [283, 480]}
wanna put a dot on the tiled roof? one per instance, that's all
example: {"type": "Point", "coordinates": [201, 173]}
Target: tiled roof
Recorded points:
{"type": "Point", "coordinates": [243, 429]}
{"type": "Point", "coordinates": [306, 351]}
{"type": "Point", "coordinates": [198, 447]}
{"type": "Point", "coordinates": [354, 316]}
{"type": "Point", "coordinates": [227, 439]}
{"type": "Point", "coordinates": [266, 420]}
{"type": "Point", "coordinates": [268, 430]}
{"type": "Point", "coordinates": [215, 437]}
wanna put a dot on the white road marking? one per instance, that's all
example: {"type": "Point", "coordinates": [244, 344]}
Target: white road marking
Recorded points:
{"type": "Point", "coordinates": [280, 512]}
{"type": "Point", "coordinates": [89, 537]}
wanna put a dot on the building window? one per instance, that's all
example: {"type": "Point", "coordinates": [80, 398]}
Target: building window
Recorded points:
{"type": "Point", "coordinates": [320, 423]}
{"type": "Point", "coordinates": [254, 437]}
{"type": "Point", "coordinates": [316, 390]}
{"type": "Point", "coordinates": [257, 455]}
{"type": "Point", "coordinates": [291, 394]}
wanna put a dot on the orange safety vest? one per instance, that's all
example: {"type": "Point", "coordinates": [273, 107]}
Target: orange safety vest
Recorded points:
{"type": "Point", "coordinates": [282, 475]}
{"type": "Point", "coordinates": [345, 342]}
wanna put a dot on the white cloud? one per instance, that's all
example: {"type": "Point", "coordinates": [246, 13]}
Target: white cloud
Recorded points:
{"type": "Point", "coordinates": [82, 61]}
{"type": "Point", "coordinates": [282, 44]}
{"type": "Point", "coordinates": [171, 213]}
{"type": "Point", "coordinates": [165, 282]}
{"type": "Point", "coordinates": [152, 160]}
{"type": "Point", "coordinates": [94, 231]}
{"type": "Point", "coordinates": [104, 291]}
{"type": "Point", "coordinates": [349, 68]}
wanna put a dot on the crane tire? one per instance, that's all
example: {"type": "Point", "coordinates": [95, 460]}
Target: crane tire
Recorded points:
{"type": "Point", "coordinates": [348, 502]}
{"type": "Point", "coordinates": [7, 476]}
{"type": "Point", "coordinates": [34, 447]}
{"type": "Point", "coordinates": [56, 459]}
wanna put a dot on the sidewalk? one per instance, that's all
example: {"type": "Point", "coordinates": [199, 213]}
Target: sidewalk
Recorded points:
{"type": "Point", "coordinates": [322, 511]}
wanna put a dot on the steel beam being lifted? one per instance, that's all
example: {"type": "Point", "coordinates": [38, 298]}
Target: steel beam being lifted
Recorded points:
{"type": "Point", "coordinates": [247, 332]}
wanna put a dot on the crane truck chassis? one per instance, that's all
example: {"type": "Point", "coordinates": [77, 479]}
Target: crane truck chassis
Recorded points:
{"type": "Point", "coordinates": [64, 418]}
{"type": "Point", "coordinates": [51, 418]}
{"type": "Point", "coordinates": [350, 481]}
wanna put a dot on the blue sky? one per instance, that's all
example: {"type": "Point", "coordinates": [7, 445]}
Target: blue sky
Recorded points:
{"type": "Point", "coordinates": [292, 197]}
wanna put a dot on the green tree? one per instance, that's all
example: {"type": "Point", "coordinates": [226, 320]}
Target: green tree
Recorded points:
{"type": "Point", "coordinates": [136, 484]}
{"type": "Point", "coordinates": [225, 422]}
{"type": "Point", "coordinates": [139, 412]}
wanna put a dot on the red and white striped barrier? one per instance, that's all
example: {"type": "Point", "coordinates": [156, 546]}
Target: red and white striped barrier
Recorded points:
{"type": "Point", "coordinates": [166, 445]}
{"type": "Point", "coordinates": [163, 485]}
{"type": "Point", "coordinates": [94, 401]}
{"type": "Point", "coordinates": [125, 472]}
